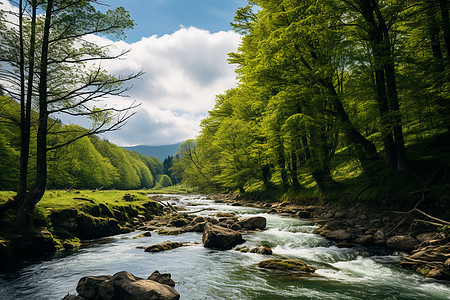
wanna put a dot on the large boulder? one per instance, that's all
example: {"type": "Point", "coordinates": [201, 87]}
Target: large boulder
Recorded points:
{"type": "Point", "coordinates": [289, 265]}
{"type": "Point", "coordinates": [124, 285]}
{"type": "Point", "coordinates": [221, 238]}
{"type": "Point", "coordinates": [402, 243]}
{"type": "Point", "coordinates": [253, 223]}
{"type": "Point", "coordinates": [167, 245]}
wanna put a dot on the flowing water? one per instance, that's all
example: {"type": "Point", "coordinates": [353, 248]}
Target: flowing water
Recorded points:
{"type": "Point", "coordinates": [202, 273]}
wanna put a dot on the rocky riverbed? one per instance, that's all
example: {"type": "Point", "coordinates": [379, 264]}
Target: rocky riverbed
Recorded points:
{"type": "Point", "coordinates": [424, 249]}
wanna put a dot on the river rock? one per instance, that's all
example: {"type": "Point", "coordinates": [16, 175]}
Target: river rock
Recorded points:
{"type": "Point", "coordinates": [164, 278]}
{"type": "Point", "coordinates": [242, 248]}
{"type": "Point", "coordinates": [88, 286]}
{"type": "Point", "coordinates": [197, 220]}
{"type": "Point", "coordinates": [259, 249]}
{"type": "Point", "coordinates": [339, 235]}
{"type": "Point", "coordinates": [303, 214]}
{"type": "Point", "coordinates": [169, 231]}
{"type": "Point", "coordinates": [402, 243]}
{"type": "Point", "coordinates": [365, 240]}
{"type": "Point", "coordinates": [426, 237]}
{"type": "Point", "coordinates": [124, 285]}
{"type": "Point", "coordinates": [262, 250]}
{"type": "Point", "coordinates": [235, 227]}
{"type": "Point", "coordinates": [144, 234]}
{"type": "Point", "coordinates": [217, 237]}
{"type": "Point", "coordinates": [291, 265]}
{"type": "Point", "coordinates": [73, 297]}
{"type": "Point", "coordinates": [253, 223]}
{"type": "Point", "coordinates": [199, 227]}
{"type": "Point", "coordinates": [379, 235]}
{"type": "Point", "coordinates": [178, 223]}
{"type": "Point", "coordinates": [164, 246]}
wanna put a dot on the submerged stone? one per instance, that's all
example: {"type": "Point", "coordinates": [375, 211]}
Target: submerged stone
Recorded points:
{"type": "Point", "coordinates": [164, 246]}
{"type": "Point", "coordinates": [286, 265]}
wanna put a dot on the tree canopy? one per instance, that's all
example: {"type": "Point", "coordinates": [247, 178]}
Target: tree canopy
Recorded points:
{"type": "Point", "coordinates": [327, 91]}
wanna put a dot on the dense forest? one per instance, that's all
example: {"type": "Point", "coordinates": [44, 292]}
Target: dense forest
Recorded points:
{"type": "Point", "coordinates": [87, 163]}
{"type": "Point", "coordinates": [330, 94]}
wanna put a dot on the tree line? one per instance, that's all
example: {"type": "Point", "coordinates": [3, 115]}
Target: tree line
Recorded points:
{"type": "Point", "coordinates": [328, 91]}
{"type": "Point", "coordinates": [87, 163]}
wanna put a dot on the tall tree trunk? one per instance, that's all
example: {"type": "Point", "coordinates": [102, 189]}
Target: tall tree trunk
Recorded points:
{"type": "Point", "coordinates": [294, 170]}
{"type": "Point", "coordinates": [24, 144]}
{"type": "Point", "coordinates": [265, 169]}
{"type": "Point", "coordinates": [25, 117]}
{"type": "Point", "coordinates": [281, 161]}
{"type": "Point", "coordinates": [392, 94]}
{"type": "Point", "coordinates": [24, 216]}
{"type": "Point", "coordinates": [377, 44]}
{"type": "Point", "coordinates": [433, 30]}
{"type": "Point", "coordinates": [443, 5]}
{"type": "Point", "coordinates": [366, 151]}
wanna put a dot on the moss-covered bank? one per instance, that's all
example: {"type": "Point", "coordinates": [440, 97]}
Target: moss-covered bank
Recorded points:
{"type": "Point", "coordinates": [63, 218]}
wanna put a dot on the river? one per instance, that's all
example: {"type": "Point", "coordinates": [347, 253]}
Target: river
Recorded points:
{"type": "Point", "coordinates": [200, 273]}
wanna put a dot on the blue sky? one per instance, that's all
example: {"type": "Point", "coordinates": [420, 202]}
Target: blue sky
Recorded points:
{"type": "Point", "coordinates": [165, 16]}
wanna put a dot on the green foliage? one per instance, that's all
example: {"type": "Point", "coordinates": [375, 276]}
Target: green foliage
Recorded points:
{"type": "Point", "coordinates": [164, 181]}
{"type": "Point", "coordinates": [88, 162]}
{"type": "Point", "coordinates": [326, 96]}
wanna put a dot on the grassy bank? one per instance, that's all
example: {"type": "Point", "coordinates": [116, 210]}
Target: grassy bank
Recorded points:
{"type": "Point", "coordinates": [63, 218]}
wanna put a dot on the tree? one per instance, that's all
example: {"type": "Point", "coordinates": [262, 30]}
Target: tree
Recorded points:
{"type": "Point", "coordinates": [165, 181]}
{"type": "Point", "coordinates": [65, 85]}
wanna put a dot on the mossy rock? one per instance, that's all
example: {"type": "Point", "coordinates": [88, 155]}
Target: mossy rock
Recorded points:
{"type": "Point", "coordinates": [286, 265]}
{"type": "Point", "coordinates": [90, 227]}
{"type": "Point", "coordinates": [129, 197]}
{"type": "Point", "coordinates": [164, 246]}
{"type": "Point", "coordinates": [120, 215]}
{"type": "Point", "coordinates": [105, 211]}
{"type": "Point", "coordinates": [169, 232]}
{"type": "Point", "coordinates": [153, 207]}
{"type": "Point", "coordinates": [65, 219]}
{"type": "Point", "coordinates": [33, 243]}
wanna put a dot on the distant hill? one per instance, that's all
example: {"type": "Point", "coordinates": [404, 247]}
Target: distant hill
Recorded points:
{"type": "Point", "coordinates": [160, 152]}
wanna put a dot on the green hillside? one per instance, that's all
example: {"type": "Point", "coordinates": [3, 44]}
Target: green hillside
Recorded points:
{"type": "Point", "coordinates": [87, 163]}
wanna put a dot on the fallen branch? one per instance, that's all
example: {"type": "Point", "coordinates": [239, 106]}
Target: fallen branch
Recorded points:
{"type": "Point", "coordinates": [431, 217]}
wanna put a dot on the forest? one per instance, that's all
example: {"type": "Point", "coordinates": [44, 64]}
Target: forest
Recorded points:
{"type": "Point", "coordinates": [331, 96]}
{"type": "Point", "coordinates": [88, 163]}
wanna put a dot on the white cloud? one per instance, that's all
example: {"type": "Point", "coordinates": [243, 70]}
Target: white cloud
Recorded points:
{"type": "Point", "coordinates": [183, 73]}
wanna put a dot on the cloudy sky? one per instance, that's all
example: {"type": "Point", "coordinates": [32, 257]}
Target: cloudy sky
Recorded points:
{"type": "Point", "coordinates": [182, 47]}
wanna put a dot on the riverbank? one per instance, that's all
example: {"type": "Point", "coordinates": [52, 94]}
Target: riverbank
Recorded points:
{"type": "Point", "coordinates": [425, 246]}
{"type": "Point", "coordinates": [64, 219]}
